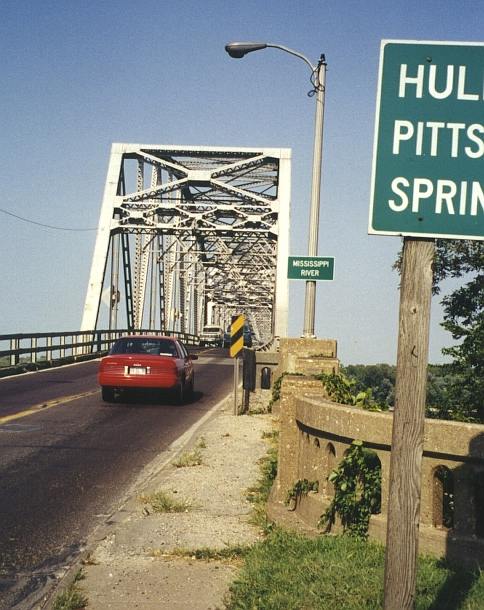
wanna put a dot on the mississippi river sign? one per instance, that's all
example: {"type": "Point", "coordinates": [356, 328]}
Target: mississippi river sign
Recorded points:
{"type": "Point", "coordinates": [312, 268]}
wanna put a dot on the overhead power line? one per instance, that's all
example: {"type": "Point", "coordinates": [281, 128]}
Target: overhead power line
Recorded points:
{"type": "Point", "coordinates": [41, 224]}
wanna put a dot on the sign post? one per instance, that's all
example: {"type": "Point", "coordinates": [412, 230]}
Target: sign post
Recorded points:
{"type": "Point", "coordinates": [408, 424]}
{"type": "Point", "coordinates": [236, 346]}
{"type": "Point", "coordinates": [427, 182]}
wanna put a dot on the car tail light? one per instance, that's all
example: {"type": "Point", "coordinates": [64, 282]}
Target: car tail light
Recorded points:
{"type": "Point", "coordinates": [165, 366]}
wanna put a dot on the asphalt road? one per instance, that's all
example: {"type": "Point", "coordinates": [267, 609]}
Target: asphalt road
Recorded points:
{"type": "Point", "coordinates": [67, 459]}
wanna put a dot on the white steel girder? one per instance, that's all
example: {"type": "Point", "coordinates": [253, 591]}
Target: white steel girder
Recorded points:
{"type": "Point", "coordinates": [222, 220]}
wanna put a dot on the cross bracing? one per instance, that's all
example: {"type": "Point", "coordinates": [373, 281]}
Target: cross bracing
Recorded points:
{"type": "Point", "coordinates": [192, 235]}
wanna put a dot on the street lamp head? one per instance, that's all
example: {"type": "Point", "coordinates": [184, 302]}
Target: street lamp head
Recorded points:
{"type": "Point", "coordinates": [239, 49]}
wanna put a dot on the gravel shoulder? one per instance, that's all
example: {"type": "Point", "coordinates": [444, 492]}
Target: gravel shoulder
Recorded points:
{"type": "Point", "coordinates": [133, 565]}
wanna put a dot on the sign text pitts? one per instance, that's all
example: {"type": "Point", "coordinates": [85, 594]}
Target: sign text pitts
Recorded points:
{"type": "Point", "coordinates": [428, 174]}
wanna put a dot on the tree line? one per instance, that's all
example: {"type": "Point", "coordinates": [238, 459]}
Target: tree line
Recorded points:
{"type": "Point", "coordinates": [455, 390]}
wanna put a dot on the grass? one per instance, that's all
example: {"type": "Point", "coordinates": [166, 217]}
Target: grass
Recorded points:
{"type": "Point", "coordinates": [72, 598]}
{"type": "Point", "coordinates": [288, 571]}
{"type": "Point", "coordinates": [164, 502]}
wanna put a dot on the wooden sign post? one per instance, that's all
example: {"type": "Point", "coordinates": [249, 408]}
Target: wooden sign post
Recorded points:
{"type": "Point", "coordinates": [408, 424]}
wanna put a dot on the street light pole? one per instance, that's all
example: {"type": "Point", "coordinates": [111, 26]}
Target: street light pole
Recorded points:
{"type": "Point", "coordinates": [318, 79]}
{"type": "Point", "coordinates": [310, 295]}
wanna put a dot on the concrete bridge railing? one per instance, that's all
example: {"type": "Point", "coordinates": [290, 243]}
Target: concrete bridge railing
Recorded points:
{"type": "Point", "coordinates": [315, 433]}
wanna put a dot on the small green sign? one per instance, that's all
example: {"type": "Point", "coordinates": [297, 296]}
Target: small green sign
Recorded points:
{"type": "Point", "coordinates": [310, 268]}
{"type": "Point", "coordinates": [428, 158]}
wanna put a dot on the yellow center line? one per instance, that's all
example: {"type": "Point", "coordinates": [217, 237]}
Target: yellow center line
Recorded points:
{"type": "Point", "coordinates": [45, 405]}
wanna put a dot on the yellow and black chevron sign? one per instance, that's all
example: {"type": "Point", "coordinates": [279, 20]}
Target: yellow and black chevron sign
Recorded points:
{"type": "Point", "coordinates": [236, 335]}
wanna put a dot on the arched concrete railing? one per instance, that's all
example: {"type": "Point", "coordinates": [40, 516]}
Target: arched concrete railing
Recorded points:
{"type": "Point", "coordinates": [315, 433]}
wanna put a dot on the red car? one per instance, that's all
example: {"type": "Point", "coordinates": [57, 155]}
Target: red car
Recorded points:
{"type": "Point", "coordinates": [145, 361]}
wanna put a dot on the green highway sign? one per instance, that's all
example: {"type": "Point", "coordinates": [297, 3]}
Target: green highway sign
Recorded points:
{"type": "Point", "coordinates": [428, 158]}
{"type": "Point", "coordinates": [310, 268]}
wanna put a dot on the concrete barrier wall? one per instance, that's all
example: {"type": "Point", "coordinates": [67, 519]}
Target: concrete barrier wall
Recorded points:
{"type": "Point", "coordinates": [315, 433]}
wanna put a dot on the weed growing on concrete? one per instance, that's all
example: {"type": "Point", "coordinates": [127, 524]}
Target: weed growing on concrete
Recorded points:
{"type": "Point", "coordinates": [257, 411]}
{"type": "Point", "coordinates": [230, 553]}
{"type": "Point", "coordinates": [189, 458]}
{"type": "Point", "coordinates": [163, 502]}
{"type": "Point", "coordinates": [72, 598]}
{"type": "Point", "coordinates": [259, 493]}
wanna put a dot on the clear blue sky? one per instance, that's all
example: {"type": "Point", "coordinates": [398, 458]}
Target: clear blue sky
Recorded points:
{"type": "Point", "coordinates": [77, 76]}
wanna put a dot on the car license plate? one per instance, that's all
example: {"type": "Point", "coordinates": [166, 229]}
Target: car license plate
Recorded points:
{"type": "Point", "coordinates": [137, 370]}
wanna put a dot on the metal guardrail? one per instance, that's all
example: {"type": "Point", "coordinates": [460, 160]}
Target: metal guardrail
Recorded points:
{"type": "Point", "coordinates": [31, 351]}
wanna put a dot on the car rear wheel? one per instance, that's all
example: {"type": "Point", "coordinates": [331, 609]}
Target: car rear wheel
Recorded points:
{"type": "Point", "coordinates": [179, 393]}
{"type": "Point", "coordinates": [191, 388]}
{"type": "Point", "coordinates": [107, 394]}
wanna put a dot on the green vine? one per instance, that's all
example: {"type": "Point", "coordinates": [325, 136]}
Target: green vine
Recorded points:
{"type": "Point", "coordinates": [276, 388]}
{"type": "Point", "coordinates": [301, 487]}
{"type": "Point", "coordinates": [357, 491]}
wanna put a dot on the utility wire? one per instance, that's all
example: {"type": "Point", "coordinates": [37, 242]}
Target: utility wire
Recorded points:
{"type": "Point", "coordinates": [41, 224]}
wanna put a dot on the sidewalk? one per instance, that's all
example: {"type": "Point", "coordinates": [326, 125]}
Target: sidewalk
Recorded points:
{"type": "Point", "coordinates": [133, 565]}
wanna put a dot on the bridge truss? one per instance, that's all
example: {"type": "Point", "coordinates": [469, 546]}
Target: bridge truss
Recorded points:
{"type": "Point", "coordinates": [189, 236]}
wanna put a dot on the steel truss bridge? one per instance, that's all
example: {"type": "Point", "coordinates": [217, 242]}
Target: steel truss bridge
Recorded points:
{"type": "Point", "coordinates": [190, 236]}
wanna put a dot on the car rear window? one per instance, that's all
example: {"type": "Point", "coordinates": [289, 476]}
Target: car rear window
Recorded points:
{"type": "Point", "coordinates": [156, 347]}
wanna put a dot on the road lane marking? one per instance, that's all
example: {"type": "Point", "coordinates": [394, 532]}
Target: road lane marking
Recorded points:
{"type": "Point", "coordinates": [46, 405]}
{"type": "Point", "coordinates": [215, 360]}
{"type": "Point", "coordinates": [19, 428]}
{"type": "Point", "coordinates": [208, 350]}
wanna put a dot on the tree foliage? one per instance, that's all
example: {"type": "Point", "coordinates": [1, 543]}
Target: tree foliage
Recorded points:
{"type": "Point", "coordinates": [379, 377]}
{"type": "Point", "coordinates": [461, 394]}
{"type": "Point", "coordinates": [343, 389]}
{"type": "Point", "coordinates": [464, 319]}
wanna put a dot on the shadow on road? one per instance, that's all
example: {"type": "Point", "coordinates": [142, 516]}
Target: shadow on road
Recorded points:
{"type": "Point", "coordinates": [142, 397]}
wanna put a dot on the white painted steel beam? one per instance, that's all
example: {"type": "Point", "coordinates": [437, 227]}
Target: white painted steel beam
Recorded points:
{"type": "Point", "coordinates": [101, 248]}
